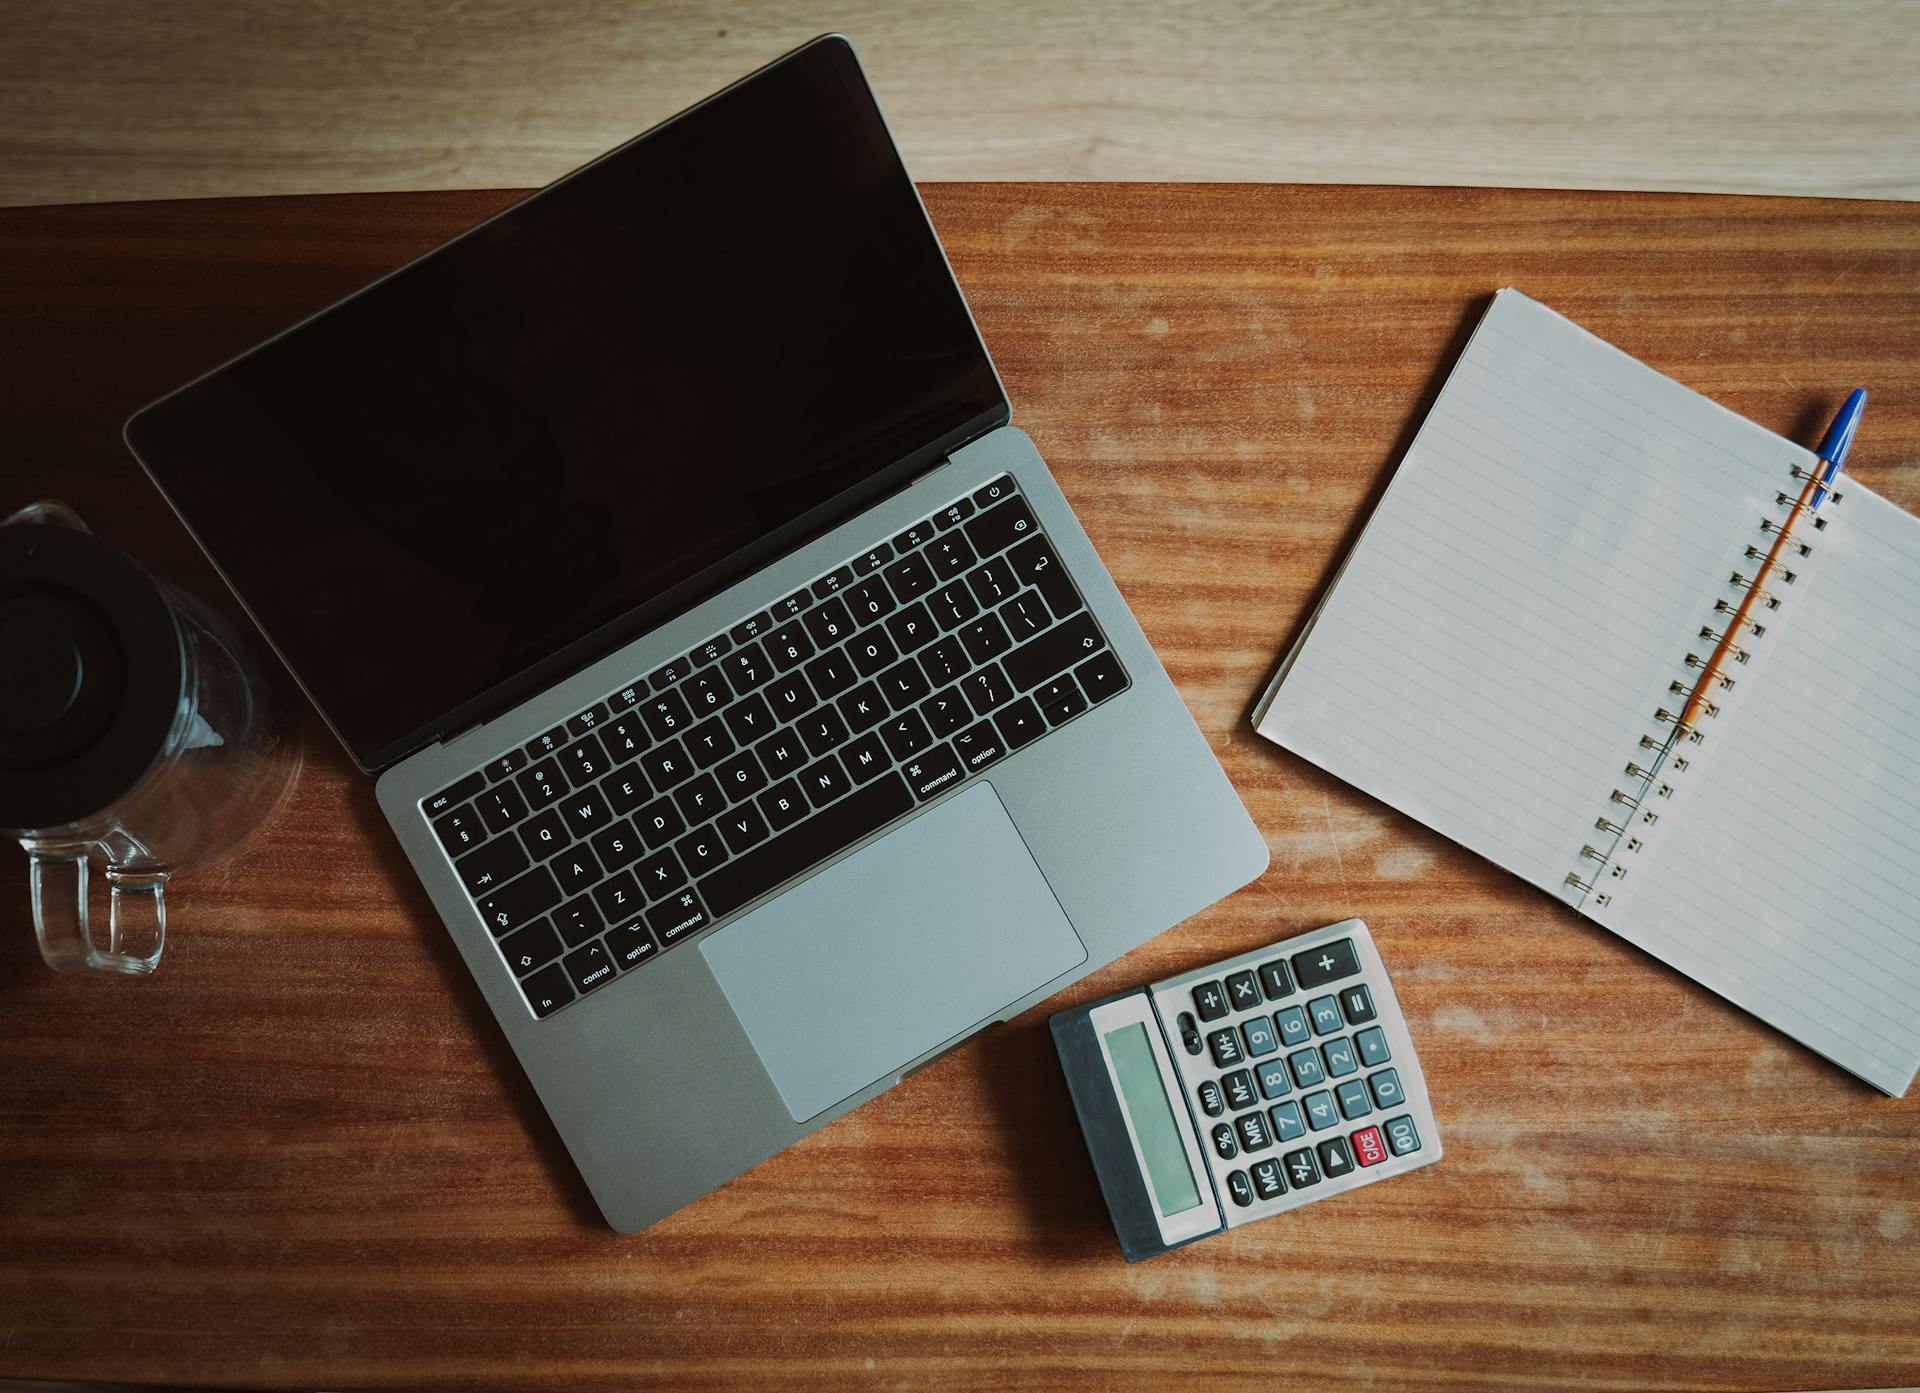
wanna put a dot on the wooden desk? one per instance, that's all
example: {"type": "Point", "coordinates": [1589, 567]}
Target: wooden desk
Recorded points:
{"type": "Point", "coordinates": [301, 1155]}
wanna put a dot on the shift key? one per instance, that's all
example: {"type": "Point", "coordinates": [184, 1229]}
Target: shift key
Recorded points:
{"type": "Point", "coordinates": [1058, 649]}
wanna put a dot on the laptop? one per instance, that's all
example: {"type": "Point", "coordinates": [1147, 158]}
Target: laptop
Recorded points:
{"type": "Point", "coordinates": [740, 686]}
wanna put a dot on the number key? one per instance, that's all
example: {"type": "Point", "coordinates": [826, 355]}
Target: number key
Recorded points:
{"type": "Point", "coordinates": [1260, 1036]}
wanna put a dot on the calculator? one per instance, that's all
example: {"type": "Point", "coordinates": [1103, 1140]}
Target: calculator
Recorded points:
{"type": "Point", "coordinates": [1247, 1088]}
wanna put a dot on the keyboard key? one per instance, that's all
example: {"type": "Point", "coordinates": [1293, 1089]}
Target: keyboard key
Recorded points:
{"type": "Point", "coordinates": [1019, 723]}
{"type": "Point", "coordinates": [1000, 488]}
{"type": "Point", "coordinates": [1000, 526]}
{"type": "Point", "coordinates": [712, 650]}
{"type": "Point", "coordinates": [783, 805]}
{"type": "Point", "coordinates": [1210, 1000]}
{"type": "Point", "coordinates": [454, 795]}
{"type": "Point", "coordinates": [584, 761]}
{"type": "Point", "coordinates": [1254, 1135]}
{"type": "Point", "coordinates": [863, 707]}
{"type": "Point", "coordinates": [506, 765]}
{"type": "Point", "coordinates": [946, 661]}
{"type": "Point", "coordinates": [1034, 661]}
{"type": "Point", "coordinates": [870, 600]}
{"type": "Point", "coordinates": [1386, 1088]}
{"type": "Point", "coordinates": [986, 689]}
{"type": "Point", "coordinates": [741, 776]}
{"type": "Point", "coordinates": [548, 990]}
{"type": "Point", "coordinates": [1335, 1159]}
{"type": "Point", "coordinates": [631, 944]}
{"type": "Point", "coordinates": [589, 967]}
{"type": "Point", "coordinates": [903, 684]}
{"type": "Point", "coordinates": [578, 920]}
{"type": "Point", "coordinates": [1225, 1047]}
{"type": "Point", "coordinates": [866, 758]}
{"type": "Point", "coordinates": [666, 715]}
{"type": "Point", "coordinates": [1240, 1091]}
{"type": "Point", "coordinates": [915, 537]}
{"type": "Point", "coordinates": [627, 697]}
{"type": "Point", "coordinates": [1327, 963]}
{"type": "Point", "coordinates": [872, 651]}
{"type": "Point", "coordinates": [520, 901]}
{"type": "Point", "coordinates": [1267, 1183]}
{"type": "Point", "coordinates": [833, 582]}
{"type": "Point", "coordinates": [952, 605]}
{"type": "Point", "coordinates": [1035, 564]}
{"type": "Point", "coordinates": [1306, 1066]}
{"type": "Point", "coordinates": [1357, 1004]}
{"type": "Point", "coordinates": [949, 555]}
{"type": "Point", "coordinates": [906, 734]}
{"type": "Point", "coordinates": [459, 831]}
{"type": "Point", "coordinates": [575, 868]}
{"type": "Point", "coordinates": [978, 746]}
{"type": "Point", "coordinates": [832, 673]}
{"type": "Point", "coordinates": [993, 583]}
{"type": "Point", "coordinates": [1226, 1143]}
{"type": "Point", "coordinates": [953, 514]}
{"type": "Point", "coordinates": [659, 823]}
{"type": "Point", "coordinates": [1101, 677]}
{"type": "Point", "coordinates": [582, 722]}
{"type": "Point", "coordinates": [543, 745]}
{"type": "Point", "coordinates": [1325, 1015]}
{"type": "Point", "coordinates": [790, 697]}
{"type": "Point", "coordinates": [909, 578]}
{"type": "Point", "coordinates": [491, 865]}
{"type": "Point", "coordinates": [624, 737]}
{"type": "Point", "coordinates": [625, 789]}
{"type": "Point", "coordinates": [1260, 1037]}
{"type": "Point", "coordinates": [1276, 981]}
{"type": "Point", "coordinates": [1025, 615]}
{"type": "Point", "coordinates": [585, 812]}
{"type": "Point", "coordinates": [1063, 709]}
{"type": "Point", "coordinates": [1321, 1110]}
{"type": "Point", "coordinates": [699, 800]}
{"type": "Point", "coordinates": [1352, 1096]}
{"type": "Point", "coordinates": [1273, 1079]}
{"type": "Point", "coordinates": [945, 712]}
{"type": "Point", "coordinates": [667, 765]}
{"type": "Point", "coordinates": [542, 783]}
{"type": "Point", "coordinates": [932, 772]}
{"type": "Point", "coordinates": [750, 628]}
{"type": "Point", "coordinates": [1292, 1025]}
{"type": "Point", "coordinates": [660, 874]}
{"type": "Point", "coordinates": [782, 752]}
{"type": "Point", "coordinates": [823, 730]}
{"type": "Point", "coordinates": [793, 606]}
{"type": "Point", "coordinates": [1287, 1119]}
{"type": "Point", "coordinates": [670, 674]}
{"type": "Point", "coordinates": [985, 639]}
{"type": "Point", "coordinates": [706, 692]}
{"type": "Point", "coordinates": [709, 742]}
{"type": "Point", "coordinates": [789, 646]}
{"type": "Point", "coordinates": [1402, 1136]}
{"type": "Point", "coordinates": [500, 808]}
{"type": "Point", "coordinates": [742, 828]}
{"type": "Point", "coordinates": [1369, 1148]}
{"type": "Point", "coordinates": [747, 667]}
{"type": "Point", "coordinates": [829, 624]}
{"type": "Point", "coordinates": [912, 628]}
{"type": "Point", "coordinates": [807, 843]}
{"type": "Point", "coordinates": [544, 835]}
{"type": "Point", "coordinates": [1212, 1101]}
{"type": "Point", "coordinates": [867, 562]}
{"type": "Point", "coordinates": [1300, 1167]}
{"type": "Point", "coordinates": [618, 898]}
{"type": "Point", "coordinates": [823, 782]}
{"type": "Point", "coordinates": [530, 948]}
{"type": "Point", "coordinates": [618, 846]}
{"type": "Point", "coordinates": [1243, 993]}
{"type": "Point", "coordinates": [673, 919]}
{"type": "Point", "coordinates": [1372, 1044]}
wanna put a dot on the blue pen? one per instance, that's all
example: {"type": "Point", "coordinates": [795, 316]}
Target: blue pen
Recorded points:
{"type": "Point", "coordinates": [1833, 446]}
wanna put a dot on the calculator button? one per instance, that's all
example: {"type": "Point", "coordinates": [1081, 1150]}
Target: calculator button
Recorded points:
{"type": "Point", "coordinates": [1402, 1137]}
{"type": "Point", "coordinates": [1275, 979]}
{"type": "Point", "coordinates": [1239, 1087]}
{"type": "Point", "coordinates": [1287, 1121]}
{"type": "Point", "coordinates": [1327, 963]}
{"type": "Point", "coordinates": [1321, 1113]}
{"type": "Point", "coordinates": [1243, 991]}
{"type": "Point", "coordinates": [1224, 1146]}
{"type": "Point", "coordinates": [1306, 1067]}
{"type": "Point", "coordinates": [1225, 1044]}
{"type": "Point", "coordinates": [1372, 1045]}
{"type": "Point", "coordinates": [1274, 1082]}
{"type": "Point", "coordinates": [1368, 1148]}
{"type": "Point", "coordinates": [1260, 1037]}
{"type": "Point", "coordinates": [1353, 1099]}
{"type": "Point", "coordinates": [1340, 1060]}
{"type": "Point", "coordinates": [1300, 1168]}
{"type": "Point", "coordinates": [1239, 1188]}
{"type": "Point", "coordinates": [1335, 1159]}
{"type": "Point", "coordinates": [1212, 1101]}
{"type": "Point", "coordinates": [1386, 1088]}
{"type": "Point", "coordinates": [1267, 1183]}
{"type": "Point", "coordinates": [1326, 1015]}
{"type": "Point", "coordinates": [1254, 1135]}
{"type": "Point", "coordinates": [1292, 1025]}
{"type": "Point", "coordinates": [1210, 1000]}
{"type": "Point", "coordinates": [1357, 1002]}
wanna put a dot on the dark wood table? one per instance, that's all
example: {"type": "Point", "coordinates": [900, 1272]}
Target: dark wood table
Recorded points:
{"type": "Point", "coordinates": [301, 1154]}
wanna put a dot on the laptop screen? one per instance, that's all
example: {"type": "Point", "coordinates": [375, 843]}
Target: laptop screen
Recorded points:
{"type": "Point", "coordinates": [585, 414]}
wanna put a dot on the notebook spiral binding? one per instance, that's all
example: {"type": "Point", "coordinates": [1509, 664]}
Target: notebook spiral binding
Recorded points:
{"type": "Point", "coordinates": [1633, 809]}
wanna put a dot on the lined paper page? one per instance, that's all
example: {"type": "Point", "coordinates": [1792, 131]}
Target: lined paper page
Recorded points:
{"type": "Point", "coordinates": [1497, 641]}
{"type": "Point", "coordinates": [1789, 880]}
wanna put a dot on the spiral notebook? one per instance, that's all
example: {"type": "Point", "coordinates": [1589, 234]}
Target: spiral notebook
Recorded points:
{"type": "Point", "coordinates": [1502, 653]}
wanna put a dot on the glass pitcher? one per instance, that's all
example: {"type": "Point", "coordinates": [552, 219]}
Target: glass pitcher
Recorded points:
{"type": "Point", "coordinates": [136, 729]}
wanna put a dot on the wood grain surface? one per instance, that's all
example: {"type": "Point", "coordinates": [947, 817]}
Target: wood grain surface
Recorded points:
{"type": "Point", "coordinates": [301, 1155]}
{"type": "Point", "coordinates": [119, 99]}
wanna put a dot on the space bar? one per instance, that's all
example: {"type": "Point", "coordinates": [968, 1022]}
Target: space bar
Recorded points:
{"type": "Point", "coordinates": [805, 844]}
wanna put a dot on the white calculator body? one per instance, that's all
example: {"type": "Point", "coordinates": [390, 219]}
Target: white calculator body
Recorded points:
{"type": "Point", "coordinates": [1247, 1088]}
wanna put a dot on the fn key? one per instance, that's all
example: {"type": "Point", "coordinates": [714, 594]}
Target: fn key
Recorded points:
{"type": "Point", "coordinates": [548, 990]}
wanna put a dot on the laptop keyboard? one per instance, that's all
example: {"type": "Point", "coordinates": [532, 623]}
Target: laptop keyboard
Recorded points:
{"type": "Point", "coordinates": [684, 796]}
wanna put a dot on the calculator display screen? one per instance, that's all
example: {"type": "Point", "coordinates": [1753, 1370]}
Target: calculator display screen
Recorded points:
{"type": "Point", "coordinates": [1138, 1075]}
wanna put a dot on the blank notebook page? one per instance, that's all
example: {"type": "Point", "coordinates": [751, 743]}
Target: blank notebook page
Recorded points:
{"type": "Point", "coordinates": [1788, 876]}
{"type": "Point", "coordinates": [1497, 641]}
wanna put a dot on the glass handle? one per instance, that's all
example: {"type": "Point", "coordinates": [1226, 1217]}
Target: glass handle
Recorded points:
{"type": "Point", "coordinates": [58, 884]}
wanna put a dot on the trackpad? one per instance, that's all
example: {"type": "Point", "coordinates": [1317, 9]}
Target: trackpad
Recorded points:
{"type": "Point", "coordinates": [893, 952]}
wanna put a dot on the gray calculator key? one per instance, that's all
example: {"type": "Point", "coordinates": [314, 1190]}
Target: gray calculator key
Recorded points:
{"type": "Point", "coordinates": [1274, 1082]}
{"type": "Point", "coordinates": [1275, 978]}
{"type": "Point", "coordinates": [1401, 1136]}
{"type": "Point", "coordinates": [1287, 1121]}
{"type": "Point", "coordinates": [1260, 1036]}
{"type": "Point", "coordinates": [1224, 1146]}
{"type": "Point", "coordinates": [1300, 1167]}
{"type": "Point", "coordinates": [1239, 1188]}
{"type": "Point", "coordinates": [1326, 1015]}
{"type": "Point", "coordinates": [1267, 1183]}
{"type": "Point", "coordinates": [1321, 1113]}
{"type": "Point", "coordinates": [1210, 1001]}
{"type": "Point", "coordinates": [1212, 1101]}
{"type": "Point", "coordinates": [1335, 1159]}
{"type": "Point", "coordinates": [1306, 1067]}
{"type": "Point", "coordinates": [1373, 1046]}
{"type": "Point", "coordinates": [1386, 1088]}
{"type": "Point", "coordinates": [1353, 1099]}
{"type": "Point", "coordinates": [1340, 1058]}
{"type": "Point", "coordinates": [1239, 1087]}
{"type": "Point", "coordinates": [1225, 1044]}
{"type": "Point", "coordinates": [1327, 963]}
{"type": "Point", "coordinates": [1357, 1002]}
{"type": "Point", "coordinates": [1243, 993]}
{"type": "Point", "coordinates": [1292, 1024]}
{"type": "Point", "coordinates": [1254, 1135]}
